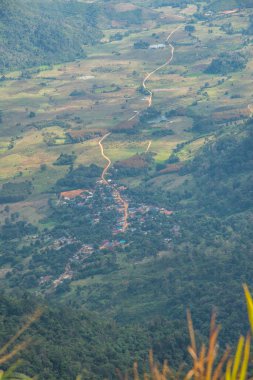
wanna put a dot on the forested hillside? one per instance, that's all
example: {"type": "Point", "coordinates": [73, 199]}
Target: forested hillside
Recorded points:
{"type": "Point", "coordinates": [44, 32]}
{"type": "Point", "coordinates": [220, 5]}
{"type": "Point", "coordinates": [67, 342]}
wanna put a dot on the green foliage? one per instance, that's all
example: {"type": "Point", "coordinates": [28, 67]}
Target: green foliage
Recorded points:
{"type": "Point", "coordinates": [16, 230]}
{"type": "Point", "coordinates": [65, 159]}
{"type": "Point", "coordinates": [148, 114]}
{"type": "Point", "coordinates": [163, 132]}
{"type": "Point", "coordinates": [77, 93]}
{"type": "Point", "coordinates": [14, 192]}
{"type": "Point", "coordinates": [66, 342]}
{"type": "Point", "coordinates": [130, 17]}
{"type": "Point", "coordinates": [223, 170]}
{"type": "Point", "coordinates": [227, 62]}
{"type": "Point", "coordinates": [221, 5]}
{"type": "Point", "coordinates": [81, 177]}
{"type": "Point", "coordinates": [189, 28]}
{"type": "Point", "coordinates": [60, 29]}
{"type": "Point", "coordinates": [141, 44]}
{"type": "Point", "coordinates": [250, 27]}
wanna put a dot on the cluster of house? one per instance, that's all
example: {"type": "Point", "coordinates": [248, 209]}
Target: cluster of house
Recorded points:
{"type": "Point", "coordinates": [67, 275]}
{"type": "Point", "coordinates": [109, 245]}
{"type": "Point", "coordinates": [140, 214]}
{"type": "Point", "coordinates": [84, 198]}
{"type": "Point", "coordinates": [60, 243]}
{"type": "Point", "coordinates": [85, 251]}
{"type": "Point", "coordinates": [143, 209]}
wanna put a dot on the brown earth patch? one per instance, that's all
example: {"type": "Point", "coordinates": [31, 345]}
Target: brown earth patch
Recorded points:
{"type": "Point", "coordinates": [124, 7]}
{"type": "Point", "coordinates": [136, 161]}
{"type": "Point", "coordinates": [171, 168]}
{"type": "Point", "coordinates": [125, 125]}
{"type": "Point", "coordinates": [230, 115]}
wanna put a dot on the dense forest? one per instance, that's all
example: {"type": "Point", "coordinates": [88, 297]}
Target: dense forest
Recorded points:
{"type": "Point", "coordinates": [45, 32]}
{"type": "Point", "coordinates": [66, 342]}
{"type": "Point", "coordinates": [218, 5]}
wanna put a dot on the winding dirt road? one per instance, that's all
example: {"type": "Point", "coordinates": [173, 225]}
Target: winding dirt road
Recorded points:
{"type": "Point", "coordinates": [150, 98]}
{"type": "Point", "coordinates": [121, 201]}
{"type": "Point", "coordinates": [119, 198]}
{"type": "Point", "coordinates": [136, 113]}
{"type": "Point", "coordinates": [149, 145]}
{"type": "Point", "coordinates": [109, 162]}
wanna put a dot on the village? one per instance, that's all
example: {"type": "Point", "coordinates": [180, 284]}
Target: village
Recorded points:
{"type": "Point", "coordinates": [86, 200]}
{"type": "Point", "coordinates": [137, 213]}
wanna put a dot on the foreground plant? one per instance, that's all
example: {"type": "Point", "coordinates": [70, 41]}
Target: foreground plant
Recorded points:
{"type": "Point", "coordinates": [12, 348]}
{"type": "Point", "coordinates": [206, 365]}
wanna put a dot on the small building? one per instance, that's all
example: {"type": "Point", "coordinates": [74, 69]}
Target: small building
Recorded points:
{"type": "Point", "coordinates": [157, 46]}
{"type": "Point", "coordinates": [72, 194]}
{"type": "Point", "coordinates": [166, 212]}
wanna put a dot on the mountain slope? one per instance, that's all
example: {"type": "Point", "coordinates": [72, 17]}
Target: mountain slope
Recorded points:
{"type": "Point", "coordinates": [220, 5]}
{"type": "Point", "coordinates": [66, 342]}
{"type": "Point", "coordinates": [34, 33]}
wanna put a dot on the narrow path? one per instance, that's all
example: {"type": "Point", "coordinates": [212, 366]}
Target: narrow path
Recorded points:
{"type": "Point", "coordinates": [150, 98]}
{"type": "Point", "coordinates": [149, 145]}
{"type": "Point", "coordinates": [122, 201]}
{"type": "Point", "coordinates": [125, 205]}
{"type": "Point", "coordinates": [109, 162]}
{"type": "Point", "coordinates": [136, 113]}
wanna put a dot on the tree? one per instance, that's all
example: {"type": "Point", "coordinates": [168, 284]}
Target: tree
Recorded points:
{"type": "Point", "coordinates": [190, 28]}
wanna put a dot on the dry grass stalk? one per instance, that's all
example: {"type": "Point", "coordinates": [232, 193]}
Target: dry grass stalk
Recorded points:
{"type": "Point", "coordinates": [18, 347]}
{"type": "Point", "coordinates": [5, 356]}
{"type": "Point", "coordinates": [206, 365]}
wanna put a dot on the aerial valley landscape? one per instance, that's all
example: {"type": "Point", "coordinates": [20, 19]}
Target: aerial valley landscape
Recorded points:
{"type": "Point", "coordinates": [126, 189]}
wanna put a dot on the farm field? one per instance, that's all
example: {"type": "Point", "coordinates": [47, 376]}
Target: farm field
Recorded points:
{"type": "Point", "coordinates": [43, 105]}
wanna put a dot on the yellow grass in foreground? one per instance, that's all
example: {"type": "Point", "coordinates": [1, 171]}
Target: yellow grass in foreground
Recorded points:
{"type": "Point", "coordinates": [206, 364]}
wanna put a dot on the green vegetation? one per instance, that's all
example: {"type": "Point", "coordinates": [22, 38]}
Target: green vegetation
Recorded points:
{"type": "Point", "coordinates": [66, 343]}
{"type": "Point", "coordinates": [65, 159]}
{"type": "Point", "coordinates": [60, 29]}
{"type": "Point", "coordinates": [207, 362]}
{"type": "Point", "coordinates": [14, 192]}
{"type": "Point", "coordinates": [227, 62]}
{"type": "Point", "coordinates": [81, 177]}
{"type": "Point", "coordinates": [115, 213]}
{"type": "Point", "coordinates": [141, 45]}
{"type": "Point", "coordinates": [221, 5]}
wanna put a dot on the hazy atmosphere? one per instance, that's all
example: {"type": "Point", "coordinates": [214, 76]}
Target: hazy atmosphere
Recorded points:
{"type": "Point", "coordinates": [126, 189]}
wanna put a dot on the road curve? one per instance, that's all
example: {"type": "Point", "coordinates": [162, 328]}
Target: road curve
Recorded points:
{"type": "Point", "coordinates": [136, 113]}
{"type": "Point", "coordinates": [148, 147]}
{"type": "Point", "coordinates": [122, 201]}
{"type": "Point", "coordinates": [150, 97]}
{"type": "Point", "coordinates": [109, 162]}
{"type": "Point", "coordinates": [150, 101]}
